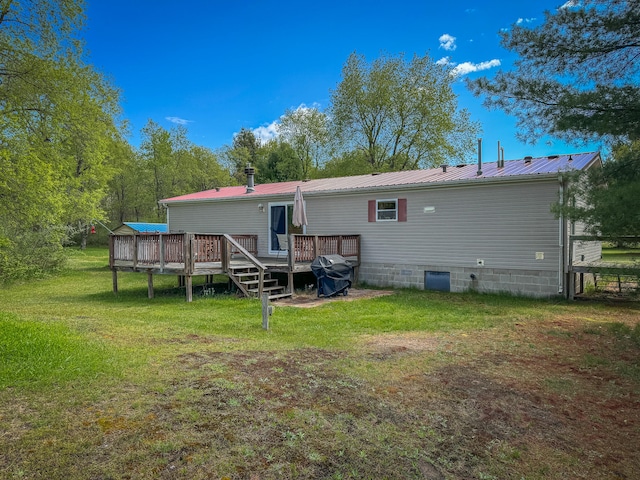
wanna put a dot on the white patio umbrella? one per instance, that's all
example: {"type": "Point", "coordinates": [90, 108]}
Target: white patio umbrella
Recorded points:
{"type": "Point", "coordinates": [299, 212]}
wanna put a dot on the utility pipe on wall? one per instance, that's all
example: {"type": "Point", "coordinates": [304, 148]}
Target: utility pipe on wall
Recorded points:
{"type": "Point", "coordinates": [479, 157]}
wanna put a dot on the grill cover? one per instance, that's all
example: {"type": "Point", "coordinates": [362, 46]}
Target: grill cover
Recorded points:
{"type": "Point", "coordinates": [334, 274]}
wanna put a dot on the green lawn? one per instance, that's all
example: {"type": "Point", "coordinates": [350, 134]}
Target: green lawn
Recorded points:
{"type": "Point", "coordinates": [621, 254]}
{"type": "Point", "coordinates": [411, 385]}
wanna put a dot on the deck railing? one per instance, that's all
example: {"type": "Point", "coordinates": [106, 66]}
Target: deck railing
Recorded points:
{"type": "Point", "coordinates": [181, 248]}
{"type": "Point", "coordinates": [305, 248]}
{"type": "Point", "coordinates": [198, 248]}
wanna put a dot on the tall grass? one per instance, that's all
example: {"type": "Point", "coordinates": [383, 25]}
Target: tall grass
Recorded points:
{"type": "Point", "coordinates": [35, 354]}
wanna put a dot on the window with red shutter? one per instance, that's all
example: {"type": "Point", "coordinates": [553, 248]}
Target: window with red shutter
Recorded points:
{"type": "Point", "coordinates": [388, 210]}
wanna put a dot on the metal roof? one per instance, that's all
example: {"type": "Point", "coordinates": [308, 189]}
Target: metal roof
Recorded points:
{"type": "Point", "coordinates": [147, 227]}
{"type": "Point", "coordinates": [526, 168]}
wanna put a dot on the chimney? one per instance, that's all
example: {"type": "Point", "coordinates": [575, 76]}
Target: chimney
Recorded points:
{"type": "Point", "coordinates": [479, 157]}
{"type": "Point", "coordinates": [250, 171]}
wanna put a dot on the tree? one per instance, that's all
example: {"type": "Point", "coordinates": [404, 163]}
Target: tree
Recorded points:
{"type": "Point", "coordinates": [277, 162]}
{"type": "Point", "coordinates": [125, 200]}
{"type": "Point", "coordinates": [577, 74]}
{"type": "Point", "coordinates": [349, 164]}
{"type": "Point", "coordinates": [57, 119]}
{"type": "Point", "coordinates": [206, 172]}
{"type": "Point", "coordinates": [243, 151]}
{"type": "Point", "coordinates": [305, 129]}
{"type": "Point", "coordinates": [401, 115]}
{"type": "Point", "coordinates": [607, 199]}
{"type": "Point", "coordinates": [156, 150]}
{"type": "Point", "coordinates": [171, 165]}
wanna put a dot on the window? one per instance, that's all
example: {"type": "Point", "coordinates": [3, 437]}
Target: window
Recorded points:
{"type": "Point", "coordinates": [388, 210]}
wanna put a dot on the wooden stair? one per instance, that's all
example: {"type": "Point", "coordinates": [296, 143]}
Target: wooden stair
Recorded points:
{"type": "Point", "coordinates": [247, 279]}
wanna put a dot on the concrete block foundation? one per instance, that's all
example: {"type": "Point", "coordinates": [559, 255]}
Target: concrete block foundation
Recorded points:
{"type": "Point", "coordinates": [530, 283]}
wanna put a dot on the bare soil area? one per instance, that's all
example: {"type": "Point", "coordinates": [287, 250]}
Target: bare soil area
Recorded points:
{"type": "Point", "coordinates": [310, 299]}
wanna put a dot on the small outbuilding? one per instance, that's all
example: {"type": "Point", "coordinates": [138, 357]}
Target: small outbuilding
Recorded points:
{"type": "Point", "coordinates": [137, 228]}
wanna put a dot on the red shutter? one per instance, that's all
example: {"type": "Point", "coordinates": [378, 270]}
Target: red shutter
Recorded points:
{"type": "Point", "coordinates": [372, 210]}
{"type": "Point", "coordinates": [402, 209]}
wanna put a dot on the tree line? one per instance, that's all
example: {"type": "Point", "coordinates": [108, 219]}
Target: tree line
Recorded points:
{"type": "Point", "coordinates": [65, 161]}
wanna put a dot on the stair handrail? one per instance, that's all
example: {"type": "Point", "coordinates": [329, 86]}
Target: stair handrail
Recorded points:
{"type": "Point", "coordinates": [244, 252]}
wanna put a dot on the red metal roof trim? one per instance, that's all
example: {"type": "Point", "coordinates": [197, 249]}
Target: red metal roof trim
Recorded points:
{"type": "Point", "coordinates": [536, 166]}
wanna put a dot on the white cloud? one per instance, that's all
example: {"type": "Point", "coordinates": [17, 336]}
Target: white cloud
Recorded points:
{"type": "Point", "coordinates": [520, 21]}
{"type": "Point", "coordinates": [178, 120]}
{"type": "Point", "coordinates": [269, 131]}
{"type": "Point", "coordinates": [448, 42]}
{"type": "Point", "coordinates": [444, 61]}
{"type": "Point", "coordinates": [468, 67]}
{"type": "Point", "coordinates": [266, 132]}
{"type": "Point", "coordinates": [570, 3]}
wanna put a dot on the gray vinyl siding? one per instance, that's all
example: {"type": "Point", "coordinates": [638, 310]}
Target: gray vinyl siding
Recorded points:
{"type": "Point", "coordinates": [240, 217]}
{"type": "Point", "coordinates": [504, 225]}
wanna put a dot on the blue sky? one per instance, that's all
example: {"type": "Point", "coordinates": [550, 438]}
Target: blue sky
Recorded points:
{"type": "Point", "coordinates": [217, 66]}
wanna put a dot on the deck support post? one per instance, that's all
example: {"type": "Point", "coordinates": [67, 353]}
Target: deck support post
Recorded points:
{"type": "Point", "coordinates": [260, 282]}
{"type": "Point", "coordinates": [188, 288]}
{"type": "Point", "coordinates": [290, 281]}
{"type": "Point", "coordinates": [161, 237]}
{"type": "Point", "coordinates": [114, 276]}
{"type": "Point", "coordinates": [291, 260]}
{"type": "Point", "coordinates": [150, 284]}
{"type": "Point", "coordinates": [572, 276]}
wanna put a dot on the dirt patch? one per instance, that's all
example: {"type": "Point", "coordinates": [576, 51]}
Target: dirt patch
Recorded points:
{"type": "Point", "coordinates": [387, 346]}
{"type": "Point", "coordinates": [310, 299]}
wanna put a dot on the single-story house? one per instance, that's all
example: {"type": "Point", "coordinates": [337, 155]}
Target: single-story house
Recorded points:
{"type": "Point", "coordinates": [487, 227]}
{"type": "Point", "coordinates": [132, 228]}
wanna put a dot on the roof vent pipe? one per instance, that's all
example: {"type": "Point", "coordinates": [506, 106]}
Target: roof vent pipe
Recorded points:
{"type": "Point", "coordinates": [250, 172]}
{"type": "Point", "coordinates": [502, 152]}
{"type": "Point", "coordinates": [500, 165]}
{"type": "Point", "coordinates": [479, 157]}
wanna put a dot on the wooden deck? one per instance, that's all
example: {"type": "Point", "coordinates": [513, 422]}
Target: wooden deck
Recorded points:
{"type": "Point", "coordinates": [190, 254]}
{"type": "Point", "coordinates": [578, 268]}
